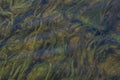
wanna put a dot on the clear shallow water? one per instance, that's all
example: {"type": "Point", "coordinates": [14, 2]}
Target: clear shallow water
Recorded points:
{"type": "Point", "coordinates": [59, 40]}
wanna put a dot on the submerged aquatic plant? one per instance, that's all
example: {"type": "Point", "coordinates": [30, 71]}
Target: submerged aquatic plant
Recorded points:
{"type": "Point", "coordinates": [59, 40]}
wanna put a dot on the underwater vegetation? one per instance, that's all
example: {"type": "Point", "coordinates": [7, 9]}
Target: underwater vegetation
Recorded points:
{"type": "Point", "coordinates": [59, 40]}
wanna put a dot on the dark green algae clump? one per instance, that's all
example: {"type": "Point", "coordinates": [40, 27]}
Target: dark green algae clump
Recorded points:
{"type": "Point", "coordinates": [59, 40]}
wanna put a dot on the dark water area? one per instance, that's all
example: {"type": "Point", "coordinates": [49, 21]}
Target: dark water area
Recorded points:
{"type": "Point", "coordinates": [59, 40]}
